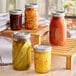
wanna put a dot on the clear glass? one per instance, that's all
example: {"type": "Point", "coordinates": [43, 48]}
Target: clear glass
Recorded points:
{"type": "Point", "coordinates": [21, 54]}
{"type": "Point", "coordinates": [42, 61]}
{"type": "Point", "coordinates": [31, 18]}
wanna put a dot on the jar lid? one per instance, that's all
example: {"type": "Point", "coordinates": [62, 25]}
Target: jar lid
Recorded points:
{"type": "Point", "coordinates": [31, 6]}
{"type": "Point", "coordinates": [21, 35]}
{"type": "Point", "coordinates": [42, 48]}
{"type": "Point", "coordinates": [58, 14]}
{"type": "Point", "coordinates": [16, 11]}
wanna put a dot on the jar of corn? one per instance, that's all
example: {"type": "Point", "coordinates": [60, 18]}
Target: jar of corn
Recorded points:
{"type": "Point", "coordinates": [21, 50]}
{"type": "Point", "coordinates": [42, 58]}
{"type": "Point", "coordinates": [31, 16]}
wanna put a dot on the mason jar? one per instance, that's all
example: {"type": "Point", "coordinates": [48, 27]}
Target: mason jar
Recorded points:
{"type": "Point", "coordinates": [16, 19]}
{"type": "Point", "coordinates": [42, 58]}
{"type": "Point", "coordinates": [31, 16]}
{"type": "Point", "coordinates": [21, 46]}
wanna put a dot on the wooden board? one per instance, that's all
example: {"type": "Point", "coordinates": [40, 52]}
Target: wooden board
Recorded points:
{"type": "Point", "coordinates": [68, 50]}
{"type": "Point", "coordinates": [35, 34]}
{"type": "Point", "coordinates": [39, 31]}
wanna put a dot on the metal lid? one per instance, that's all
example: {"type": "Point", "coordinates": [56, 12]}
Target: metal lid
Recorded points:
{"type": "Point", "coordinates": [21, 35]}
{"type": "Point", "coordinates": [58, 14]}
{"type": "Point", "coordinates": [16, 11]}
{"type": "Point", "coordinates": [42, 48]}
{"type": "Point", "coordinates": [31, 6]}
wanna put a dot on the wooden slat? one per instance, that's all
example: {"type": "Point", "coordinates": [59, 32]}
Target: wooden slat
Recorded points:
{"type": "Point", "coordinates": [68, 49]}
{"type": "Point", "coordinates": [38, 31]}
{"type": "Point", "coordinates": [35, 34]}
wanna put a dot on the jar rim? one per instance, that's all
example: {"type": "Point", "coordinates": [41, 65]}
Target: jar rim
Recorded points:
{"type": "Point", "coordinates": [21, 35]}
{"type": "Point", "coordinates": [16, 11]}
{"type": "Point", "coordinates": [58, 13]}
{"type": "Point", "coordinates": [31, 5]}
{"type": "Point", "coordinates": [42, 48]}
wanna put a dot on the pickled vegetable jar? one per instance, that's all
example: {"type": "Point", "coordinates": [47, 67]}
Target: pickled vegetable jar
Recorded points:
{"type": "Point", "coordinates": [31, 16]}
{"type": "Point", "coordinates": [21, 50]}
{"type": "Point", "coordinates": [42, 58]}
{"type": "Point", "coordinates": [58, 29]}
{"type": "Point", "coordinates": [16, 19]}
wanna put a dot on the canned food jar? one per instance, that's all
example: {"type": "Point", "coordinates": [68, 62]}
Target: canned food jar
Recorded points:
{"type": "Point", "coordinates": [16, 19]}
{"type": "Point", "coordinates": [21, 50]}
{"type": "Point", "coordinates": [31, 16]}
{"type": "Point", "coordinates": [42, 58]}
{"type": "Point", "coordinates": [58, 29]}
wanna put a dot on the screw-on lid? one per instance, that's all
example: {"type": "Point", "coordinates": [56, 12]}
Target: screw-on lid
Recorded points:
{"type": "Point", "coordinates": [21, 35]}
{"type": "Point", "coordinates": [58, 14]}
{"type": "Point", "coordinates": [42, 48]}
{"type": "Point", "coordinates": [16, 11]}
{"type": "Point", "coordinates": [31, 6]}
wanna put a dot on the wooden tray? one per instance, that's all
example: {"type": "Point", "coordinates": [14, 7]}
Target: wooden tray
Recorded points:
{"type": "Point", "coordinates": [35, 34]}
{"type": "Point", "coordinates": [68, 50]}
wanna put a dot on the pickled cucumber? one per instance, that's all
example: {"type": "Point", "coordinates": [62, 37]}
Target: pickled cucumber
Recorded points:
{"type": "Point", "coordinates": [21, 55]}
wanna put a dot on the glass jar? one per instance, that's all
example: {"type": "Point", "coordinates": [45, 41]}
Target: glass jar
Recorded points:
{"type": "Point", "coordinates": [42, 58]}
{"type": "Point", "coordinates": [58, 30]}
{"type": "Point", "coordinates": [21, 50]}
{"type": "Point", "coordinates": [31, 16]}
{"type": "Point", "coordinates": [16, 20]}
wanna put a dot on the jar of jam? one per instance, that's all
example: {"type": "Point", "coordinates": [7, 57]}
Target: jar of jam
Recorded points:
{"type": "Point", "coordinates": [16, 19]}
{"type": "Point", "coordinates": [42, 58]}
{"type": "Point", "coordinates": [58, 31]}
{"type": "Point", "coordinates": [21, 50]}
{"type": "Point", "coordinates": [31, 16]}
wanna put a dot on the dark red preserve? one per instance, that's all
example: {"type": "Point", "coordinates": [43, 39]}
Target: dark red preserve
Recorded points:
{"type": "Point", "coordinates": [16, 20]}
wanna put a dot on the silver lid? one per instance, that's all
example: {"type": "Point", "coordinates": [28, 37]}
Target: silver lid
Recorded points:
{"type": "Point", "coordinates": [58, 14]}
{"type": "Point", "coordinates": [21, 35]}
{"type": "Point", "coordinates": [42, 48]}
{"type": "Point", "coordinates": [16, 11]}
{"type": "Point", "coordinates": [31, 6]}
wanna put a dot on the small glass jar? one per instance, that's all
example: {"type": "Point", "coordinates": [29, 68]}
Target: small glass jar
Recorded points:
{"type": "Point", "coordinates": [42, 58]}
{"type": "Point", "coordinates": [16, 20]}
{"type": "Point", "coordinates": [31, 16]}
{"type": "Point", "coordinates": [21, 50]}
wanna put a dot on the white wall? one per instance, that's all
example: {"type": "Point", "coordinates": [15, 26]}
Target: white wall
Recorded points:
{"type": "Point", "coordinates": [2, 6]}
{"type": "Point", "coordinates": [20, 4]}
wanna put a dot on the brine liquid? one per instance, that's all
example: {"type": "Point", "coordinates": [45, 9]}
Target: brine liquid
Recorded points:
{"type": "Point", "coordinates": [21, 55]}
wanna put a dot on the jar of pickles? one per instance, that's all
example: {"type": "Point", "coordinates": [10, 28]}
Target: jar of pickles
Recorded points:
{"type": "Point", "coordinates": [31, 16]}
{"type": "Point", "coordinates": [16, 19]}
{"type": "Point", "coordinates": [42, 58]}
{"type": "Point", "coordinates": [21, 50]}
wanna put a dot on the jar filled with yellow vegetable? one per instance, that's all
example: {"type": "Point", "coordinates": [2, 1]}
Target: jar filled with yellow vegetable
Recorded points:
{"type": "Point", "coordinates": [31, 16]}
{"type": "Point", "coordinates": [42, 58]}
{"type": "Point", "coordinates": [21, 50]}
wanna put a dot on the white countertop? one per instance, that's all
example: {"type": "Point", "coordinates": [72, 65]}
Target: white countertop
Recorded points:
{"type": "Point", "coordinates": [58, 69]}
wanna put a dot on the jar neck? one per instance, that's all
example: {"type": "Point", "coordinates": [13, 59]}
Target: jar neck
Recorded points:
{"type": "Point", "coordinates": [15, 39]}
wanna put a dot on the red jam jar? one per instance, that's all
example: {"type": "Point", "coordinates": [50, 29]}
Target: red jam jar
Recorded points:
{"type": "Point", "coordinates": [58, 31]}
{"type": "Point", "coordinates": [16, 19]}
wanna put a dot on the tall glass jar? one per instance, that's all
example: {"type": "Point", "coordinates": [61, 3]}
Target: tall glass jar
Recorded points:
{"type": "Point", "coordinates": [58, 29]}
{"type": "Point", "coordinates": [21, 50]}
{"type": "Point", "coordinates": [31, 16]}
{"type": "Point", "coordinates": [16, 19]}
{"type": "Point", "coordinates": [42, 58]}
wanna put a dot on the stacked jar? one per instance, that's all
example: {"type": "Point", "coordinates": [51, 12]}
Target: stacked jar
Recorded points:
{"type": "Point", "coordinates": [16, 19]}
{"type": "Point", "coordinates": [31, 16]}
